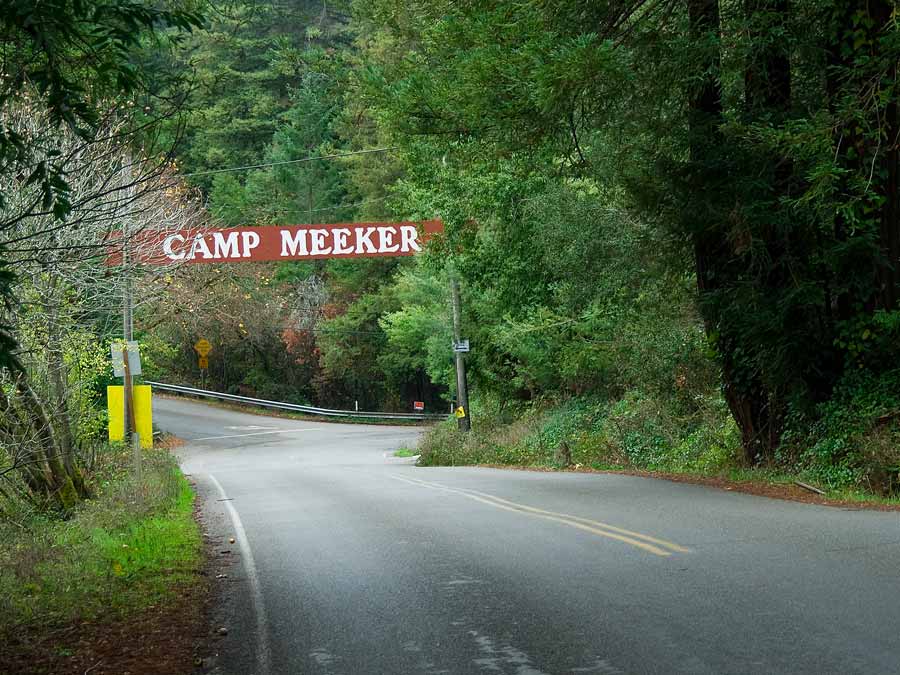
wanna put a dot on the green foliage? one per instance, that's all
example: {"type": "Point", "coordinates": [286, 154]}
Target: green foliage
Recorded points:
{"type": "Point", "coordinates": [659, 218]}
{"type": "Point", "coordinates": [155, 354]}
{"type": "Point", "coordinates": [852, 439]}
{"type": "Point", "coordinates": [638, 431]}
{"type": "Point", "coordinates": [130, 547]}
{"type": "Point", "coordinates": [70, 56]}
{"type": "Point", "coordinates": [288, 193]}
{"type": "Point", "coordinates": [780, 214]}
{"type": "Point", "coordinates": [249, 64]}
{"type": "Point", "coordinates": [74, 51]}
{"type": "Point", "coordinates": [83, 358]}
{"type": "Point", "coordinates": [351, 343]}
{"type": "Point", "coordinates": [651, 436]}
{"type": "Point", "coordinates": [418, 334]}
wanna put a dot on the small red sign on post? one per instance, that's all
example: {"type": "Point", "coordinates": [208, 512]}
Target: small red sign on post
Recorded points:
{"type": "Point", "coordinates": [419, 405]}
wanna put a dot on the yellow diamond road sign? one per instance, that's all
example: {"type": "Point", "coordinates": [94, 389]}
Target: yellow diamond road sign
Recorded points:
{"type": "Point", "coordinates": [203, 347]}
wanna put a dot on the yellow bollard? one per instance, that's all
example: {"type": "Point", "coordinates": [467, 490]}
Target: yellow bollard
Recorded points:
{"type": "Point", "coordinates": [142, 398]}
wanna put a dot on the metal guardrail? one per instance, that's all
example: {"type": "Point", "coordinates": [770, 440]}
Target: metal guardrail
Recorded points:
{"type": "Point", "coordinates": [191, 391]}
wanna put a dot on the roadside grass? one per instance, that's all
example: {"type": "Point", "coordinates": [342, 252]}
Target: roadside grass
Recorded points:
{"type": "Point", "coordinates": [131, 547]}
{"type": "Point", "coordinates": [769, 475]}
{"type": "Point", "coordinates": [863, 498]}
{"type": "Point", "coordinates": [638, 434]}
{"type": "Point", "coordinates": [405, 452]}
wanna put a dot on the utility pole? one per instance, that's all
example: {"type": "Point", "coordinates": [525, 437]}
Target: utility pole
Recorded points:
{"type": "Point", "coordinates": [128, 423]}
{"type": "Point", "coordinates": [462, 389]}
{"type": "Point", "coordinates": [127, 335]}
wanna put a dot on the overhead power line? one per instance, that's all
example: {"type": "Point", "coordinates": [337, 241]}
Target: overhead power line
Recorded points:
{"type": "Point", "coordinates": [291, 161]}
{"type": "Point", "coordinates": [339, 206]}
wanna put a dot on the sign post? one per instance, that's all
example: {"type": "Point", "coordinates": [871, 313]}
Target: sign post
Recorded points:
{"type": "Point", "coordinates": [460, 347]}
{"type": "Point", "coordinates": [203, 347]}
{"type": "Point", "coordinates": [126, 360]}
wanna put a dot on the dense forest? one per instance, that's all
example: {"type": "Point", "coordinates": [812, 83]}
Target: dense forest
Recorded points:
{"type": "Point", "coordinates": [676, 224]}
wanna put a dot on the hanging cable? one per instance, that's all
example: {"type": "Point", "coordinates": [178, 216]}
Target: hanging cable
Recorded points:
{"type": "Point", "coordinates": [290, 161]}
{"type": "Point", "coordinates": [336, 208]}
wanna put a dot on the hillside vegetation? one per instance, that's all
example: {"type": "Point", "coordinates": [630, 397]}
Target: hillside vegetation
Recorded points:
{"type": "Point", "coordinates": [675, 224]}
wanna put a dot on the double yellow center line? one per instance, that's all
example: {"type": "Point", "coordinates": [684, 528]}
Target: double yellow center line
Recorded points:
{"type": "Point", "coordinates": [659, 547]}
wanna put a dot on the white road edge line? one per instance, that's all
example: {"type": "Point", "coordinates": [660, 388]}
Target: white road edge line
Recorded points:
{"type": "Point", "coordinates": [263, 656]}
{"type": "Point", "coordinates": [255, 433]}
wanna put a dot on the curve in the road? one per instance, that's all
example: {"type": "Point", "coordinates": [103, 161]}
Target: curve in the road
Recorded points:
{"type": "Point", "coordinates": [642, 541]}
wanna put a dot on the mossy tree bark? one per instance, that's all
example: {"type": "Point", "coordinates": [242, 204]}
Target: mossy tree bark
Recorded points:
{"type": "Point", "coordinates": [27, 428]}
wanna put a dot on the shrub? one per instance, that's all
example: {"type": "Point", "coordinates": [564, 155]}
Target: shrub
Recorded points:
{"type": "Point", "coordinates": [639, 430]}
{"type": "Point", "coordinates": [852, 439]}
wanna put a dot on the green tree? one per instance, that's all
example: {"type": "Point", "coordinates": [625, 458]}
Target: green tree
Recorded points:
{"type": "Point", "coordinates": [70, 55]}
{"type": "Point", "coordinates": [760, 138]}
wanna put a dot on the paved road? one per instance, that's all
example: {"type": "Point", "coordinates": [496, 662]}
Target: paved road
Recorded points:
{"type": "Point", "coordinates": [356, 562]}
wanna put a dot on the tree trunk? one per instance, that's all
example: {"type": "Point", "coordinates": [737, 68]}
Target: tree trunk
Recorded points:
{"type": "Point", "coordinates": [56, 369]}
{"type": "Point", "coordinates": [767, 100]}
{"type": "Point", "coordinates": [61, 489]}
{"type": "Point", "coordinates": [747, 398]}
{"type": "Point", "coordinates": [16, 436]}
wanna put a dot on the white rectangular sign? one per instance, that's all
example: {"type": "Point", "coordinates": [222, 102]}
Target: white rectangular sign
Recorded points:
{"type": "Point", "coordinates": [462, 346]}
{"type": "Point", "coordinates": [118, 362]}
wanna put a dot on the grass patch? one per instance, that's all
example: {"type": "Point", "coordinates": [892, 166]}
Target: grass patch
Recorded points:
{"type": "Point", "coordinates": [405, 452]}
{"type": "Point", "coordinates": [131, 547]}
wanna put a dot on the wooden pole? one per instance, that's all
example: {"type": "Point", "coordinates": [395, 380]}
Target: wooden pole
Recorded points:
{"type": "Point", "coordinates": [128, 394]}
{"type": "Point", "coordinates": [127, 335]}
{"type": "Point", "coordinates": [128, 423]}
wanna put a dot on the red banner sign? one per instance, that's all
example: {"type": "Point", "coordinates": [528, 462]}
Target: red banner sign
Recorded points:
{"type": "Point", "coordinates": [291, 242]}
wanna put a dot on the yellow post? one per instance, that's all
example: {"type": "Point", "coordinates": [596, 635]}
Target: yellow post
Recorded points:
{"type": "Point", "coordinates": [142, 403]}
{"type": "Point", "coordinates": [114, 403]}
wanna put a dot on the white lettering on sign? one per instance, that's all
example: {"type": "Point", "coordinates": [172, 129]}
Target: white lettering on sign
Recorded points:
{"type": "Point", "coordinates": [364, 240]}
{"type": "Point", "coordinates": [285, 243]}
{"type": "Point", "coordinates": [340, 235]}
{"type": "Point", "coordinates": [386, 236]}
{"type": "Point", "coordinates": [409, 234]}
{"type": "Point", "coordinates": [251, 241]}
{"type": "Point", "coordinates": [199, 246]}
{"type": "Point", "coordinates": [317, 239]}
{"type": "Point", "coordinates": [293, 245]}
{"type": "Point", "coordinates": [168, 251]}
{"type": "Point", "coordinates": [225, 247]}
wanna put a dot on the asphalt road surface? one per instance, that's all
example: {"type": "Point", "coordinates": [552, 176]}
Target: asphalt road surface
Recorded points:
{"type": "Point", "coordinates": [350, 560]}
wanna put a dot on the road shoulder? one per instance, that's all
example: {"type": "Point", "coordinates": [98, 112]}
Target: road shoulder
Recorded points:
{"type": "Point", "coordinates": [229, 631]}
{"type": "Point", "coordinates": [784, 491]}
